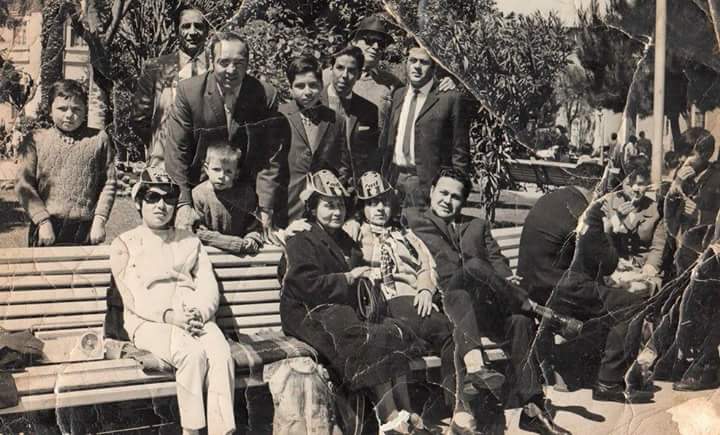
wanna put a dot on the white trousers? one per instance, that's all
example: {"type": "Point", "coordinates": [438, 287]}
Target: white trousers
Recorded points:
{"type": "Point", "coordinates": [202, 363]}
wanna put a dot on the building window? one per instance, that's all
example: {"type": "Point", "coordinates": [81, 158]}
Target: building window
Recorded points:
{"type": "Point", "coordinates": [75, 39]}
{"type": "Point", "coordinates": [20, 33]}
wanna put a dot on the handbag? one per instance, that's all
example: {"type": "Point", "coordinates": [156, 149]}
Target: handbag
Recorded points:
{"type": "Point", "coordinates": [372, 304]}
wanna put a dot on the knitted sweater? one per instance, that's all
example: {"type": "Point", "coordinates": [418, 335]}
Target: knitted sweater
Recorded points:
{"type": "Point", "coordinates": [160, 270]}
{"type": "Point", "coordinates": [227, 215]}
{"type": "Point", "coordinates": [72, 181]}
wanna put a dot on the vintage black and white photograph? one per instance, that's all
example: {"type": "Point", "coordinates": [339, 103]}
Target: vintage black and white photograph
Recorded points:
{"type": "Point", "coordinates": [355, 217]}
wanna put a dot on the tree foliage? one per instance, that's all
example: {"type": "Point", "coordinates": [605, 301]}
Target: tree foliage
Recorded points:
{"type": "Point", "coordinates": [509, 63]}
{"type": "Point", "coordinates": [614, 46]}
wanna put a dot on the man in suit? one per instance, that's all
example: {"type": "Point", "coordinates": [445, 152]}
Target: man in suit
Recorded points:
{"type": "Point", "coordinates": [225, 105]}
{"type": "Point", "coordinates": [468, 258]}
{"type": "Point", "coordinates": [314, 138]}
{"type": "Point", "coordinates": [547, 242]}
{"type": "Point", "coordinates": [362, 115]}
{"type": "Point", "coordinates": [155, 92]}
{"type": "Point", "coordinates": [425, 130]}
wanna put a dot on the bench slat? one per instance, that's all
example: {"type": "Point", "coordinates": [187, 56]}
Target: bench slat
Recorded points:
{"type": "Point", "coordinates": [229, 286]}
{"type": "Point", "coordinates": [62, 322]}
{"type": "Point", "coordinates": [55, 268]}
{"type": "Point", "coordinates": [55, 281]}
{"type": "Point", "coordinates": [247, 273]}
{"type": "Point", "coordinates": [249, 297]}
{"type": "Point", "coordinates": [56, 295]}
{"type": "Point", "coordinates": [226, 260]}
{"type": "Point", "coordinates": [247, 310]}
{"type": "Point", "coordinates": [52, 309]}
{"type": "Point", "coordinates": [249, 321]}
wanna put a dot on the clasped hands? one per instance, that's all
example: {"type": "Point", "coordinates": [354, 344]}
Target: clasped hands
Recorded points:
{"type": "Point", "coordinates": [188, 319]}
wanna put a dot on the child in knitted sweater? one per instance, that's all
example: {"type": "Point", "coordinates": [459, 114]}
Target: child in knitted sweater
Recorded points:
{"type": "Point", "coordinates": [227, 210]}
{"type": "Point", "coordinates": [66, 182]}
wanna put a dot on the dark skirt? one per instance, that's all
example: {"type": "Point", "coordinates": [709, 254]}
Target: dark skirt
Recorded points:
{"type": "Point", "coordinates": [359, 354]}
{"type": "Point", "coordinates": [67, 232]}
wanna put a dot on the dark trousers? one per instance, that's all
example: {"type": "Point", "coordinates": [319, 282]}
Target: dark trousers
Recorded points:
{"type": "Point", "coordinates": [698, 331]}
{"type": "Point", "coordinates": [497, 303]}
{"type": "Point", "coordinates": [412, 195]}
{"type": "Point", "coordinates": [606, 312]}
{"type": "Point", "coordinates": [67, 232]}
{"type": "Point", "coordinates": [452, 332]}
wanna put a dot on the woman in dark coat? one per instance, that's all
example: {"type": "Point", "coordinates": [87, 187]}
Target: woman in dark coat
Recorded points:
{"type": "Point", "coordinates": [318, 302]}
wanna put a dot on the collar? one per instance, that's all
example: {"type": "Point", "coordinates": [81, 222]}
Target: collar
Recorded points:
{"type": "Point", "coordinates": [425, 89]}
{"type": "Point", "coordinates": [185, 58]}
{"type": "Point", "coordinates": [332, 93]}
{"type": "Point", "coordinates": [236, 91]}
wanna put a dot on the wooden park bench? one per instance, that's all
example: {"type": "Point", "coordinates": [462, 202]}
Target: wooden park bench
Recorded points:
{"type": "Point", "coordinates": [62, 288]}
{"type": "Point", "coordinates": [542, 173]}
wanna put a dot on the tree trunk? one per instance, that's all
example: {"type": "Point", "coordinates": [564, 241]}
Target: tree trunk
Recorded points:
{"type": "Point", "coordinates": [54, 15]}
{"type": "Point", "coordinates": [674, 119]}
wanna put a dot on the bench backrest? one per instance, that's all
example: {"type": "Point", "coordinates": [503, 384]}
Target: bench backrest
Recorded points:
{"type": "Point", "coordinates": [65, 287]}
{"type": "Point", "coordinates": [542, 172]}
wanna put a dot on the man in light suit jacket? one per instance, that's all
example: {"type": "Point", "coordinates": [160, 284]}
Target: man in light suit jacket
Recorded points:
{"type": "Point", "coordinates": [314, 138]}
{"type": "Point", "coordinates": [155, 91]}
{"type": "Point", "coordinates": [362, 115]}
{"type": "Point", "coordinates": [225, 105]}
{"type": "Point", "coordinates": [425, 130]}
{"type": "Point", "coordinates": [468, 258]}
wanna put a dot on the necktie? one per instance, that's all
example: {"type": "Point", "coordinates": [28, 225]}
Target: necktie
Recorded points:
{"type": "Point", "coordinates": [409, 126]}
{"type": "Point", "coordinates": [194, 68]}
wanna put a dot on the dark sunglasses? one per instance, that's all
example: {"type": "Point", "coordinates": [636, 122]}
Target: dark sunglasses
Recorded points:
{"type": "Point", "coordinates": [155, 197]}
{"type": "Point", "coordinates": [372, 39]}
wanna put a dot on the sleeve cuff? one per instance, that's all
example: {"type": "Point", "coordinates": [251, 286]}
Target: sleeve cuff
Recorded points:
{"type": "Point", "coordinates": [40, 217]}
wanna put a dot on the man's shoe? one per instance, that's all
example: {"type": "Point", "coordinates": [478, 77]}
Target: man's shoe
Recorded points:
{"type": "Point", "coordinates": [639, 378]}
{"type": "Point", "coordinates": [483, 379]}
{"type": "Point", "coordinates": [604, 392]}
{"type": "Point", "coordinates": [542, 423]}
{"type": "Point", "coordinates": [698, 379]}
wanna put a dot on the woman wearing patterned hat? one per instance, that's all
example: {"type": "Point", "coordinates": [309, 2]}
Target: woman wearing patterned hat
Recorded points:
{"type": "Point", "coordinates": [170, 298]}
{"type": "Point", "coordinates": [318, 304]}
{"type": "Point", "coordinates": [403, 267]}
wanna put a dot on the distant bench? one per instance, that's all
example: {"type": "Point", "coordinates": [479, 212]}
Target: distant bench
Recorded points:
{"type": "Point", "coordinates": [543, 173]}
{"type": "Point", "coordinates": [65, 288]}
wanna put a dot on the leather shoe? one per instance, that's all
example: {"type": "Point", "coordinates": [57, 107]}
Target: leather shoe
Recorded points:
{"type": "Point", "coordinates": [639, 378]}
{"type": "Point", "coordinates": [542, 423]}
{"type": "Point", "coordinates": [698, 379]}
{"type": "Point", "coordinates": [615, 392]}
{"type": "Point", "coordinates": [483, 379]}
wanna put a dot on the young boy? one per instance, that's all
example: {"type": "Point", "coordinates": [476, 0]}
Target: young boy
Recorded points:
{"type": "Point", "coordinates": [226, 209]}
{"type": "Point", "coordinates": [66, 182]}
{"type": "Point", "coordinates": [316, 137]}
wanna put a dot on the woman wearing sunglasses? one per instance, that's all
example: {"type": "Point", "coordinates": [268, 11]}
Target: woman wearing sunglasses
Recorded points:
{"type": "Point", "coordinates": [170, 297]}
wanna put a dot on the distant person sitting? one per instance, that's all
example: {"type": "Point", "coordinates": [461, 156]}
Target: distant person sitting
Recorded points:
{"type": "Point", "coordinates": [66, 182]}
{"type": "Point", "coordinates": [694, 195]}
{"type": "Point", "coordinates": [227, 208]}
{"type": "Point", "coordinates": [639, 233]}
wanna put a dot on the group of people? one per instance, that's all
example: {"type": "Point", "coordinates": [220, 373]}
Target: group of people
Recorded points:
{"type": "Point", "coordinates": [362, 180]}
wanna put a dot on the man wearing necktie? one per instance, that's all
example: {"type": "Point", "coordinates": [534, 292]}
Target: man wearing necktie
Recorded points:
{"type": "Point", "coordinates": [467, 257]}
{"type": "Point", "coordinates": [362, 115]}
{"type": "Point", "coordinates": [227, 106]}
{"type": "Point", "coordinates": [155, 92]}
{"type": "Point", "coordinates": [425, 129]}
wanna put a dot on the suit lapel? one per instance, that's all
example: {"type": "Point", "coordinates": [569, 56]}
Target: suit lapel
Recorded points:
{"type": "Point", "coordinates": [322, 128]}
{"type": "Point", "coordinates": [215, 100]}
{"type": "Point", "coordinates": [430, 101]}
{"type": "Point", "coordinates": [443, 227]}
{"type": "Point", "coordinates": [397, 103]}
{"type": "Point", "coordinates": [296, 122]}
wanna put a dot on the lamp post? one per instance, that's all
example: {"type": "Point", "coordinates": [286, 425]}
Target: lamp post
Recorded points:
{"type": "Point", "coordinates": [659, 89]}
